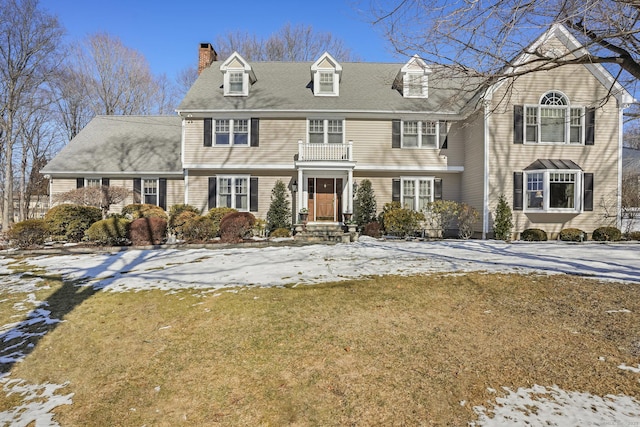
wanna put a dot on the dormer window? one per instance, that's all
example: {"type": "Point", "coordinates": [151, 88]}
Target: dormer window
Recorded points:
{"type": "Point", "coordinates": [412, 80]}
{"type": "Point", "coordinates": [325, 74]}
{"type": "Point", "coordinates": [238, 76]}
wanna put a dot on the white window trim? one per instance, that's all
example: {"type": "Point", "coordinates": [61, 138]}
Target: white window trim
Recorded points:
{"type": "Point", "coordinates": [420, 146]}
{"type": "Point", "coordinates": [143, 194]}
{"type": "Point", "coordinates": [325, 129]}
{"type": "Point", "coordinates": [86, 181]}
{"type": "Point", "coordinates": [546, 192]}
{"type": "Point", "coordinates": [231, 133]}
{"type": "Point", "coordinates": [567, 131]}
{"type": "Point", "coordinates": [233, 190]}
{"type": "Point", "coordinates": [316, 82]}
{"type": "Point", "coordinates": [416, 180]}
{"type": "Point", "coordinates": [227, 83]}
{"type": "Point", "coordinates": [424, 93]}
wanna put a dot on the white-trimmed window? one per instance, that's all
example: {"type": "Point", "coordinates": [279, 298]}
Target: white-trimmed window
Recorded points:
{"type": "Point", "coordinates": [231, 132]}
{"type": "Point", "coordinates": [414, 85]}
{"type": "Point", "coordinates": [422, 134]}
{"type": "Point", "coordinates": [554, 121]}
{"type": "Point", "coordinates": [553, 190]}
{"type": "Point", "coordinates": [233, 192]}
{"type": "Point", "coordinates": [326, 82]}
{"type": "Point", "coordinates": [323, 131]}
{"type": "Point", "coordinates": [416, 192]}
{"type": "Point", "coordinates": [236, 82]}
{"type": "Point", "coordinates": [150, 191]}
{"type": "Point", "coordinates": [92, 182]}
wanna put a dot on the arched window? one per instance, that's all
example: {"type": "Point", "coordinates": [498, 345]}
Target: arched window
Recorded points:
{"type": "Point", "coordinates": [554, 121]}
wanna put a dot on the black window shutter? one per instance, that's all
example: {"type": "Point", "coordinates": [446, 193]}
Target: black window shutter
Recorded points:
{"type": "Point", "coordinates": [255, 132]}
{"type": "Point", "coordinates": [137, 190]}
{"type": "Point", "coordinates": [437, 189]}
{"type": "Point", "coordinates": [590, 126]}
{"type": "Point", "coordinates": [79, 182]}
{"type": "Point", "coordinates": [588, 192]}
{"type": "Point", "coordinates": [208, 134]}
{"type": "Point", "coordinates": [253, 195]}
{"type": "Point", "coordinates": [517, 191]}
{"type": "Point", "coordinates": [213, 195]}
{"type": "Point", "coordinates": [105, 182]}
{"type": "Point", "coordinates": [395, 134]}
{"type": "Point", "coordinates": [518, 124]}
{"type": "Point", "coordinates": [395, 190]}
{"type": "Point", "coordinates": [162, 193]}
{"type": "Point", "coordinates": [444, 135]}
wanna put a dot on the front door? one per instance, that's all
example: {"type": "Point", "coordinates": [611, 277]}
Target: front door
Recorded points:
{"type": "Point", "coordinates": [325, 199]}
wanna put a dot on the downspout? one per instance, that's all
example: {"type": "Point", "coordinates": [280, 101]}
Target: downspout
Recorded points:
{"type": "Point", "coordinates": [620, 149]}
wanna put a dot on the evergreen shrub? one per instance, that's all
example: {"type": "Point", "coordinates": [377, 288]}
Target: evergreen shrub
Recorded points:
{"type": "Point", "coordinates": [30, 232]}
{"type": "Point", "coordinates": [279, 213]}
{"type": "Point", "coordinates": [280, 232]}
{"type": "Point", "coordinates": [236, 226]}
{"type": "Point", "coordinates": [176, 211]}
{"type": "Point", "coordinates": [572, 235]}
{"type": "Point", "coordinates": [69, 222]}
{"type": "Point", "coordinates": [607, 234]}
{"type": "Point", "coordinates": [502, 220]}
{"type": "Point", "coordinates": [111, 231]}
{"type": "Point", "coordinates": [196, 228]}
{"type": "Point", "coordinates": [216, 215]}
{"type": "Point", "coordinates": [533, 235]}
{"type": "Point", "coordinates": [399, 221]}
{"type": "Point", "coordinates": [148, 231]}
{"type": "Point", "coordinates": [142, 210]}
{"type": "Point", "coordinates": [365, 205]}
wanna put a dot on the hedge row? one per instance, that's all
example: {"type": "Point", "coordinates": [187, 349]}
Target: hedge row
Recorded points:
{"type": "Point", "coordinates": [601, 234]}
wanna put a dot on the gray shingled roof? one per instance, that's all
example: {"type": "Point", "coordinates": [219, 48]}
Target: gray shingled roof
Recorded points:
{"type": "Point", "coordinates": [122, 144]}
{"type": "Point", "coordinates": [364, 87]}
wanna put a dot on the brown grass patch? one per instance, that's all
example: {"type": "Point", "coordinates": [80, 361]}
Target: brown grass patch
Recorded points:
{"type": "Point", "coordinates": [385, 351]}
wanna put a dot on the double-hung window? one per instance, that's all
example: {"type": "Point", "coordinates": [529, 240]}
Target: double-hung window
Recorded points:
{"type": "Point", "coordinates": [322, 131]}
{"type": "Point", "coordinates": [230, 132]}
{"type": "Point", "coordinates": [233, 192]}
{"type": "Point", "coordinates": [326, 81]}
{"type": "Point", "coordinates": [92, 182]}
{"type": "Point", "coordinates": [416, 193]}
{"type": "Point", "coordinates": [553, 190]}
{"type": "Point", "coordinates": [236, 82]}
{"type": "Point", "coordinates": [554, 121]}
{"type": "Point", "coordinates": [414, 84]}
{"type": "Point", "coordinates": [150, 191]}
{"type": "Point", "coordinates": [422, 134]}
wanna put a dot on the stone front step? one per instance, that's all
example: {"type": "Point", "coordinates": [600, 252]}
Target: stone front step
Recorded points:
{"type": "Point", "coordinates": [321, 232]}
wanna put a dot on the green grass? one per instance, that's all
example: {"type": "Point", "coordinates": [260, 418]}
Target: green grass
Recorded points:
{"type": "Point", "coordinates": [382, 351]}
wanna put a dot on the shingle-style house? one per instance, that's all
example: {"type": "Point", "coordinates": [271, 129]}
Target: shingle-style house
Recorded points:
{"type": "Point", "coordinates": [415, 130]}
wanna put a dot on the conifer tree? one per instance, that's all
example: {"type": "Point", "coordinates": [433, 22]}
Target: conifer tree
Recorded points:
{"type": "Point", "coordinates": [502, 222]}
{"type": "Point", "coordinates": [279, 214]}
{"type": "Point", "coordinates": [365, 203]}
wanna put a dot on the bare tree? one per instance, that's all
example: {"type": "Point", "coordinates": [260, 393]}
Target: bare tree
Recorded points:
{"type": "Point", "coordinates": [118, 79]}
{"type": "Point", "coordinates": [29, 42]}
{"type": "Point", "coordinates": [289, 43]}
{"type": "Point", "coordinates": [484, 38]}
{"type": "Point", "coordinates": [100, 196]}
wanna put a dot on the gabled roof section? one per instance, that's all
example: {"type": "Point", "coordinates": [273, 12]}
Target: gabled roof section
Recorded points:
{"type": "Point", "coordinates": [326, 74]}
{"type": "Point", "coordinates": [571, 43]}
{"type": "Point", "coordinates": [122, 145]}
{"type": "Point", "coordinates": [238, 75]}
{"type": "Point", "coordinates": [326, 62]}
{"type": "Point", "coordinates": [412, 79]}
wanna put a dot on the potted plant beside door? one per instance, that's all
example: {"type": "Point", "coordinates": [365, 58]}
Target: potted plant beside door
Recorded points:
{"type": "Point", "coordinates": [304, 215]}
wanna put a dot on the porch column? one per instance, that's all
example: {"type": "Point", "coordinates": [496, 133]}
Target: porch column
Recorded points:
{"type": "Point", "coordinates": [300, 194]}
{"type": "Point", "coordinates": [350, 191]}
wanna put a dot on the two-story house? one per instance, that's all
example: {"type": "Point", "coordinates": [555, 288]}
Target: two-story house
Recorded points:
{"type": "Point", "coordinates": [550, 141]}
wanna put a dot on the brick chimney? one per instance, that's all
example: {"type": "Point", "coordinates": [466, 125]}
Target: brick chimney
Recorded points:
{"type": "Point", "coordinates": [206, 56]}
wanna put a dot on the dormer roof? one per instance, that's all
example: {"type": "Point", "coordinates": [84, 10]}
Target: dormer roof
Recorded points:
{"type": "Point", "coordinates": [412, 80]}
{"type": "Point", "coordinates": [326, 74]}
{"type": "Point", "coordinates": [238, 75]}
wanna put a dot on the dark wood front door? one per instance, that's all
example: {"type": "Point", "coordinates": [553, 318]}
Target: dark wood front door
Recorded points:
{"type": "Point", "coordinates": [325, 199]}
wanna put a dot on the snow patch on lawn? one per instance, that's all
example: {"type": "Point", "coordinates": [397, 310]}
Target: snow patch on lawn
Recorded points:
{"type": "Point", "coordinates": [38, 400]}
{"type": "Point", "coordinates": [542, 406]}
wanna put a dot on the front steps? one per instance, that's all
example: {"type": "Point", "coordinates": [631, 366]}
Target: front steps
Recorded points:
{"type": "Point", "coordinates": [325, 232]}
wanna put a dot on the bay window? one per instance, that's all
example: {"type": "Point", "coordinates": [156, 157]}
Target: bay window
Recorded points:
{"type": "Point", "coordinates": [553, 190]}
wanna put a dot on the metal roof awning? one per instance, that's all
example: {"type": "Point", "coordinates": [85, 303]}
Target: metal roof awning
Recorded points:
{"type": "Point", "coordinates": [553, 164]}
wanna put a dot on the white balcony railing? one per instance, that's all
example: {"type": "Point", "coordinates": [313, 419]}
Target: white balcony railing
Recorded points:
{"type": "Point", "coordinates": [327, 152]}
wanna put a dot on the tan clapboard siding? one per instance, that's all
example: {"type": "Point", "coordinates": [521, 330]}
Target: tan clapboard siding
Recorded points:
{"type": "Point", "coordinates": [278, 145]}
{"type": "Point", "coordinates": [472, 181]}
{"type": "Point", "coordinates": [175, 192]}
{"type": "Point", "coordinates": [372, 146]}
{"type": "Point", "coordinates": [582, 88]}
{"type": "Point", "coordinates": [124, 183]}
{"type": "Point", "coordinates": [59, 186]}
{"type": "Point", "coordinates": [199, 188]}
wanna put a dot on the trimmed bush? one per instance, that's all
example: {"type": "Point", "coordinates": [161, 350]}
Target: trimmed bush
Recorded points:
{"type": "Point", "coordinates": [28, 233]}
{"type": "Point", "coordinates": [533, 235]}
{"type": "Point", "coordinates": [606, 234]}
{"type": "Point", "coordinates": [399, 221]}
{"type": "Point", "coordinates": [372, 229]}
{"type": "Point", "coordinates": [174, 213]}
{"type": "Point", "coordinates": [197, 228]}
{"type": "Point", "coordinates": [633, 235]}
{"type": "Point", "coordinates": [138, 210]}
{"type": "Point", "coordinates": [572, 235]}
{"type": "Point", "coordinates": [180, 222]}
{"type": "Point", "coordinates": [280, 232]}
{"type": "Point", "coordinates": [236, 226]}
{"type": "Point", "coordinates": [111, 231]}
{"type": "Point", "coordinates": [69, 222]}
{"type": "Point", "coordinates": [216, 215]}
{"type": "Point", "coordinates": [147, 231]}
